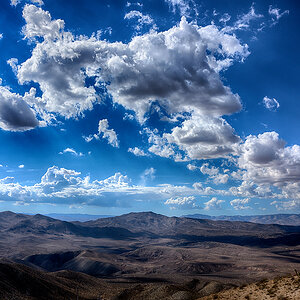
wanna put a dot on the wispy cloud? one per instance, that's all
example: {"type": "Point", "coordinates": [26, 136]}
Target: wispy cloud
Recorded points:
{"type": "Point", "coordinates": [71, 151]}
{"type": "Point", "coordinates": [271, 103]}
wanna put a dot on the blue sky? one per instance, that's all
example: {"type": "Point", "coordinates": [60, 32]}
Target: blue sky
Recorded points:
{"type": "Point", "coordinates": [173, 106]}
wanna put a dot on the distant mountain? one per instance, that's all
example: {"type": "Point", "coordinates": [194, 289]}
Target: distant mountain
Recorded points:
{"type": "Point", "coordinates": [11, 223]}
{"type": "Point", "coordinates": [280, 219]}
{"type": "Point", "coordinates": [77, 217]}
{"type": "Point", "coordinates": [148, 246]}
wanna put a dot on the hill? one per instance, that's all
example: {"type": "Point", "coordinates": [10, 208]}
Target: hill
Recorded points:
{"type": "Point", "coordinates": [139, 252]}
{"type": "Point", "coordinates": [281, 288]}
{"type": "Point", "coordinates": [280, 219]}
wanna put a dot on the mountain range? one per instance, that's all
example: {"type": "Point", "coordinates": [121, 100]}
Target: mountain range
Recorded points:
{"type": "Point", "coordinates": [281, 219]}
{"type": "Point", "coordinates": [138, 253]}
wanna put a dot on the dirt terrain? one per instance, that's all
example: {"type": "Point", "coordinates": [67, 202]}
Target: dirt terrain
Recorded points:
{"type": "Point", "coordinates": [280, 288]}
{"type": "Point", "coordinates": [135, 255]}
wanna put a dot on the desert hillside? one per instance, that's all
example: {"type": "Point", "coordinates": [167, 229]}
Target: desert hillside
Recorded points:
{"type": "Point", "coordinates": [279, 288]}
{"type": "Point", "coordinates": [141, 256]}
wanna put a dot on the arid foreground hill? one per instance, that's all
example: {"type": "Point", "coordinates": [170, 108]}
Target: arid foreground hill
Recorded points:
{"type": "Point", "coordinates": [139, 256]}
{"type": "Point", "coordinates": [281, 288]}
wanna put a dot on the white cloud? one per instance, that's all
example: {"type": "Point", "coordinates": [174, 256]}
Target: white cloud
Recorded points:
{"type": "Point", "coordinates": [141, 19]}
{"type": "Point", "coordinates": [213, 204]}
{"type": "Point", "coordinates": [275, 14]}
{"type": "Point", "coordinates": [250, 189]}
{"type": "Point", "coordinates": [15, 113]}
{"type": "Point", "coordinates": [205, 169]}
{"type": "Point", "coordinates": [292, 205]}
{"type": "Point", "coordinates": [16, 2]}
{"type": "Point", "coordinates": [13, 62]}
{"type": "Point", "coordinates": [128, 4]}
{"type": "Point", "coordinates": [105, 133]}
{"type": "Point", "coordinates": [60, 185]}
{"type": "Point", "coordinates": [266, 159]}
{"type": "Point", "coordinates": [220, 178]}
{"type": "Point", "coordinates": [71, 151]}
{"type": "Point", "coordinates": [128, 116]}
{"type": "Point", "coordinates": [173, 67]}
{"type": "Point", "coordinates": [21, 166]}
{"type": "Point", "coordinates": [54, 67]}
{"type": "Point", "coordinates": [269, 168]}
{"type": "Point", "coordinates": [271, 104]}
{"type": "Point", "coordinates": [188, 202]}
{"type": "Point", "coordinates": [185, 7]}
{"type": "Point", "coordinates": [192, 167]}
{"type": "Point", "coordinates": [137, 151]}
{"type": "Point", "coordinates": [213, 173]}
{"type": "Point", "coordinates": [1, 36]}
{"type": "Point", "coordinates": [244, 20]}
{"type": "Point", "coordinates": [21, 203]}
{"type": "Point", "coordinates": [159, 145]}
{"type": "Point", "coordinates": [202, 137]}
{"type": "Point", "coordinates": [148, 174]}
{"type": "Point", "coordinates": [199, 137]}
{"type": "Point", "coordinates": [239, 204]}
{"type": "Point", "coordinates": [38, 2]}
{"type": "Point", "coordinates": [225, 18]}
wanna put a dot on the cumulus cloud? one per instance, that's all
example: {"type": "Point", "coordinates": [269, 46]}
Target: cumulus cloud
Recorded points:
{"type": "Point", "coordinates": [271, 104]}
{"type": "Point", "coordinates": [199, 137]}
{"type": "Point", "coordinates": [291, 205]}
{"type": "Point", "coordinates": [220, 178]}
{"type": "Point", "coordinates": [65, 186]}
{"type": "Point", "coordinates": [239, 204]}
{"type": "Point", "coordinates": [55, 65]}
{"type": "Point", "coordinates": [213, 204]}
{"type": "Point", "coordinates": [269, 168]}
{"type": "Point", "coordinates": [71, 151]}
{"type": "Point", "coordinates": [159, 145]}
{"type": "Point", "coordinates": [266, 159]}
{"type": "Point", "coordinates": [188, 202]}
{"type": "Point", "coordinates": [202, 137]}
{"type": "Point", "coordinates": [211, 171]}
{"type": "Point", "coordinates": [105, 133]}
{"type": "Point", "coordinates": [137, 151]}
{"type": "Point", "coordinates": [21, 166]}
{"type": "Point", "coordinates": [15, 113]}
{"type": "Point", "coordinates": [179, 67]}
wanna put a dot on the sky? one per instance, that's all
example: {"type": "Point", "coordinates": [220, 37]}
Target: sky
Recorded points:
{"type": "Point", "coordinates": [172, 106]}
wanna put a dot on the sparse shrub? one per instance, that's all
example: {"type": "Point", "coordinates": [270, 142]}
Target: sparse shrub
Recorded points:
{"type": "Point", "coordinates": [281, 297]}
